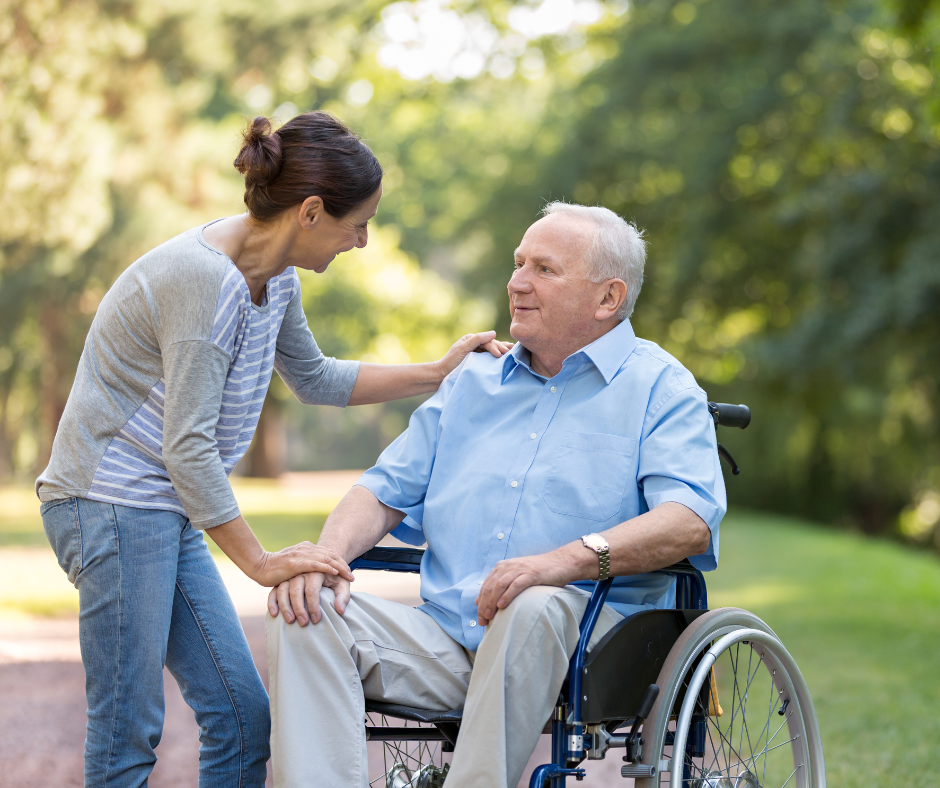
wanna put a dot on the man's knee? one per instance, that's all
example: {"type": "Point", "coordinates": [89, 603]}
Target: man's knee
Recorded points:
{"type": "Point", "coordinates": [284, 632]}
{"type": "Point", "coordinates": [540, 605]}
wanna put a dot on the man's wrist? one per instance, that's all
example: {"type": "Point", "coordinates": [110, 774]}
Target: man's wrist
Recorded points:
{"type": "Point", "coordinates": [581, 563]}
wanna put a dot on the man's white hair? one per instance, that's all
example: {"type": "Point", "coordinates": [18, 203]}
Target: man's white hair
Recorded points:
{"type": "Point", "coordinates": [617, 252]}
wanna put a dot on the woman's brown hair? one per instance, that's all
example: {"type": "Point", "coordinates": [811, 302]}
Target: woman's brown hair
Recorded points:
{"type": "Point", "coordinates": [313, 154]}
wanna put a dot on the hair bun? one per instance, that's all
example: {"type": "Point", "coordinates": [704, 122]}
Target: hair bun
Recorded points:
{"type": "Point", "coordinates": [259, 160]}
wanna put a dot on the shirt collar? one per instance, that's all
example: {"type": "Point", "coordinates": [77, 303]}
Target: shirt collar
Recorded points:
{"type": "Point", "coordinates": [607, 353]}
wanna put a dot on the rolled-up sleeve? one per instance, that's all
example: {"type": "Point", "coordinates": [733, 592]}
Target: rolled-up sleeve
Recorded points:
{"type": "Point", "coordinates": [401, 476]}
{"type": "Point", "coordinates": [679, 463]}
{"type": "Point", "coordinates": [313, 378]}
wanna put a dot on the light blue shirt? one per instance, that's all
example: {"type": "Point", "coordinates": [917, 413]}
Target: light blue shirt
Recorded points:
{"type": "Point", "coordinates": [502, 463]}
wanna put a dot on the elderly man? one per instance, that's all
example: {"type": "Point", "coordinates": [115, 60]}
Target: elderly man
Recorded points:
{"type": "Point", "coordinates": [585, 451]}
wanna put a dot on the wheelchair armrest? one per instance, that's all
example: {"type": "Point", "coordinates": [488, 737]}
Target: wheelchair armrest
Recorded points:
{"type": "Point", "coordinates": [691, 592]}
{"type": "Point", "coordinates": [390, 559]}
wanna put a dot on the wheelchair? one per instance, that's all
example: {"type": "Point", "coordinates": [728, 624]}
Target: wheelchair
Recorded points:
{"type": "Point", "coordinates": [691, 697]}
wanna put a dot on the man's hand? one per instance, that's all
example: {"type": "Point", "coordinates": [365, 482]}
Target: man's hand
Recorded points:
{"type": "Point", "coordinates": [510, 578]}
{"type": "Point", "coordinates": [299, 597]}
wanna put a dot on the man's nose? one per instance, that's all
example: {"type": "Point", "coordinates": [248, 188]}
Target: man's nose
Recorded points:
{"type": "Point", "coordinates": [362, 239]}
{"type": "Point", "coordinates": [519, 281]}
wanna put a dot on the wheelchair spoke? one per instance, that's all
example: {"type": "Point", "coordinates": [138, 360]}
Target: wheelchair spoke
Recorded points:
{"type": "Point", "coordinates": [744, 729]}
{"type": "Point", "coordinates": [403, 761]}
{"type": "Point", "coordinates": [791, 775]}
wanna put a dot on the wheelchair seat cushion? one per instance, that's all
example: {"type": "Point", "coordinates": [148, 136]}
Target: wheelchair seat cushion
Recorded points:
{"type": "Point", "coordinates": [412, 713]}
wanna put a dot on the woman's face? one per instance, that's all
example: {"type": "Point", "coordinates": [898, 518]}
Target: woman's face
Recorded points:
{"type": "Point", "coordinates": [325, 236]}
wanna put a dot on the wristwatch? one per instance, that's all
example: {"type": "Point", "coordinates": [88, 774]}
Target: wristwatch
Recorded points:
{"type": "Point", "coordinates": [599, 545]}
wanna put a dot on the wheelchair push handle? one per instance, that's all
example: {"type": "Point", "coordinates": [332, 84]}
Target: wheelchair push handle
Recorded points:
{"type": "Point", "coordinates": [726, 415]}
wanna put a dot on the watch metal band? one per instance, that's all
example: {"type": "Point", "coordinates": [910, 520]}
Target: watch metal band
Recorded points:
{"type": "Point", "coordinates": [603, 558]}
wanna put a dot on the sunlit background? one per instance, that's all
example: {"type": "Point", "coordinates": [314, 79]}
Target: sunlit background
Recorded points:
{"type": "Point", "coordinates": [783, 157]}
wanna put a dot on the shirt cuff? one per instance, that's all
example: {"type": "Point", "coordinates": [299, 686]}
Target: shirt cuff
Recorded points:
{"type": "Point", "coordinates": [201, 525]}
{"type": "Point", "coordinates": [409, 532]}
{"type": "Point", "coordinates": [377, 483]}
{"type": "Point", "coordinates": [710, 513]}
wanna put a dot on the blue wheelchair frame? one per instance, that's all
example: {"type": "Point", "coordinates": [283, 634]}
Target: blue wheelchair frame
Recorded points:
{"type": "Point", "coordinates": [567, 729]}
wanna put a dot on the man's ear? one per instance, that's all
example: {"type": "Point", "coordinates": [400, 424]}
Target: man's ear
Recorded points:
{"type": "Point", "coordinates": [311, 212]}
{"type": "Point", "coordinates": [614, 296]}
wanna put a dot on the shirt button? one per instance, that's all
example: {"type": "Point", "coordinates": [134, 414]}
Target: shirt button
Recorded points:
{"type": "Point", "coordinates": [553, 389]}
{"type": "Point", "coordinates": [514, 484]}
{"type": "Point", "coordinates": [534, 435]}
{"type": "Point", "coordinates": [473, 623]}
{"type": "Point", "coordinates": [500, 536]}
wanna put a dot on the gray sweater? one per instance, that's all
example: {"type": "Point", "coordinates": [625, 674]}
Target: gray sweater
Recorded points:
{"type": "Point", "coordinates": [171, 382]}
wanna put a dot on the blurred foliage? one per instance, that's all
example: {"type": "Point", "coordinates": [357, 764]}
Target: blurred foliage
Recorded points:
{"type": "Point", "coordinates": [784, 161]}
{"type": "Point", "coordinates": [782, 157]}
{"type": "Point", "coordinates": [378, 305]}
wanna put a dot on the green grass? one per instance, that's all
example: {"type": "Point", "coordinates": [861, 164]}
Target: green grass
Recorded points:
{"type": "Point", "coordinates": [278, 519]}
{"type": "Point", "coordinates": [862, 619]}
{"type": "Point", "coordinates": [861, 616]}
{"type": "Point", "coordinates": [277, 531]}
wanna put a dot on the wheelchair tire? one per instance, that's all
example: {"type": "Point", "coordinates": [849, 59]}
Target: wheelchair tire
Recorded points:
{"type": "Point", "coordinates": [748, 721]}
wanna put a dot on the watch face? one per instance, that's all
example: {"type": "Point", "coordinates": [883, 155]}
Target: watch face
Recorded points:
{"type": "Point", "coordinates": [594, 541]}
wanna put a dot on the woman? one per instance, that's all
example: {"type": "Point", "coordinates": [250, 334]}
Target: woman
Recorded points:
{"type": "Point", "coordinates": [165, 402]}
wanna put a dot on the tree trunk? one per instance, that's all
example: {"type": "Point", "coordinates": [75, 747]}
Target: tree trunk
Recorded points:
{"type": "Point", "coordinates": [56, 372]}
{"type": "Point", "coordinates": [267, 455]}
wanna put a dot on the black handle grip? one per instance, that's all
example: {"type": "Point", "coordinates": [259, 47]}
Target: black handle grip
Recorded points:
{"type": "Point", "coordinates": [726, 415]}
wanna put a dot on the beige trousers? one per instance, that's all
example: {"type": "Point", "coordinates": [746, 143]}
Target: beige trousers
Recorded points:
{"type": "Point", "coordinates": [320, 675]}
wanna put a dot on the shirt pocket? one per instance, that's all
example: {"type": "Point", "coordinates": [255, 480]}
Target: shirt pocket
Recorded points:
{"type": "Point", "coordinates": [589, 474]}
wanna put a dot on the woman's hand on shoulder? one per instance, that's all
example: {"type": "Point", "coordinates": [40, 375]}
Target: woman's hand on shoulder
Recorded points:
{"type": "Point", "coordinates": [484, 342]}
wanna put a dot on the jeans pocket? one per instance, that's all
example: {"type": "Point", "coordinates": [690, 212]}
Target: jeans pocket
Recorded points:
{"type": "Point", "coordinates": [63, 530]}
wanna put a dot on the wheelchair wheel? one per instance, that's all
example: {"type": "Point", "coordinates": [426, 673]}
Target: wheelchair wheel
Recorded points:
{"type": "Point", "coordinates": [733, 711]}
{"type": "Point", "coordinates": [409, 764]}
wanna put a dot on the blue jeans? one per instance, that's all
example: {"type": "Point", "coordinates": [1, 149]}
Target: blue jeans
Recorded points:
{"type": "Point", "coordinates": [150, 595]}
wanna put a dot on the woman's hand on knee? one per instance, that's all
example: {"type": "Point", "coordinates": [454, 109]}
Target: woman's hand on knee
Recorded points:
{"type": "Point", "coordinates": [301, 559]}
